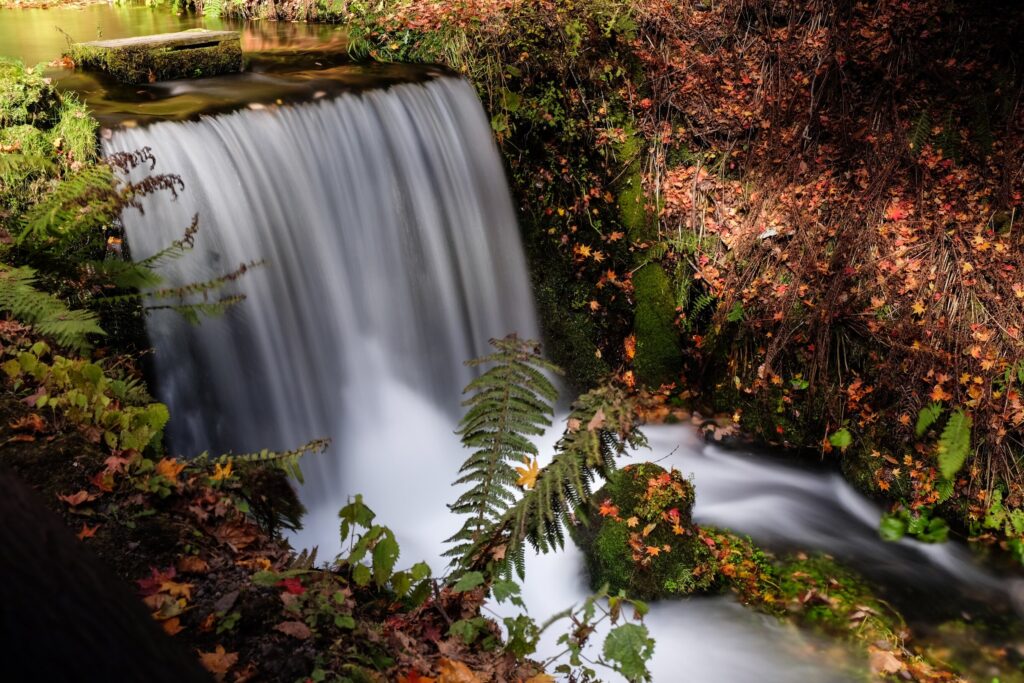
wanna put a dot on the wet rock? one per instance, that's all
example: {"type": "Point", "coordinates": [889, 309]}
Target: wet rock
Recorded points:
{"type": "Point", "coordinates": [145, 59]}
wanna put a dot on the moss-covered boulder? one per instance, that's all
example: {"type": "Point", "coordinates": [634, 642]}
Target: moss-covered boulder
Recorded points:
{"type": "Point", "coordinates": [638, 535]}
{"type": "Point", "coordinates": [144, 59]}
{"type": "Point", "coordinates": [659, 356]}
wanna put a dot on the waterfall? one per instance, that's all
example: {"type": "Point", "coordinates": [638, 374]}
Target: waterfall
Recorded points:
{"type": "Point", "coordinates": [392, 256]}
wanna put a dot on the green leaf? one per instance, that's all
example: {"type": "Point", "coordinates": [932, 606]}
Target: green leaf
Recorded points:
{"type": "Point", "coordinates": [468, 581]}
{"type": "Point", "coordinates": [954, 444]}
{"type": "Point", "coordinates": [628, 648]}
{"type": "Point", "coordinates": [841, 439]}
{"type": "Point", "coordinates": [892, 528]}
{"type": "Point", "coordinates": [944, 487]}
{"type": "Point", "coordinates": [927, 417]}
{"type": "Point", "coordinates": [503, 590]}
{"type": "Point", "coordinates": [467, 629]}
{"type": "Point", "coordinates": [523, 635]}
{"type": "Point", "coordinates": [385, 555]}
{"type": "Point", "coordinates": [361, 575]}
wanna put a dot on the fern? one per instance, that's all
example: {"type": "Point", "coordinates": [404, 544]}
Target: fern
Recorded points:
{"type": "Point", "coordinates": [46, 313]}
{"type": "Point", "coordinates": [286, 460]}
{"type": "Point", "coordinates": [920, 130]}
{"type": "Point", "coordinates": [954, 444]}
{"type": "Point", "coordinates": [83, 202]}
{"type": "Point", "coordinates": [511, 401]}
{"type": "Point", "coordinates": [601, 426]}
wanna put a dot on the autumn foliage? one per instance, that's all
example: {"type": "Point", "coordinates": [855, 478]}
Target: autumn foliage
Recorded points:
{"type": "Point", "coordinates": [832, 187]}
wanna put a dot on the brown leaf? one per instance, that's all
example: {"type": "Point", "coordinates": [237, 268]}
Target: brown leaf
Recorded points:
{"type": "Point", "coordinates": [237, 537]}
{"type": "Point", "coordinates": [33, 422]}
{"type": "Point", "coordinates": [295, 629]}
{"type": "Point", "coordinates": [192, 564]}
{"type": "Point", "coordinates": [218, 662]}
{"type": "Point", "coordinates": [881, 661]}
{"type": "Point", "coordinates": [76, 499]}
{"type": "Point", "coordinates": [596, 422]}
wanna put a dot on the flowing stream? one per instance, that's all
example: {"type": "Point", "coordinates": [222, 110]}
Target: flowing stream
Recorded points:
{"type": "Point", "coordinates": [393, 255]}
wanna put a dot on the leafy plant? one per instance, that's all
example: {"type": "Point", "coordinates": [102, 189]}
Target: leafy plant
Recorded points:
{"type": "Point", "coordinates": [511, 401]}
{"type": "Point", "coordinates": [917, 523]}
{"type": "Point", "coordinates": [954, 444]}
{"type": "Point", "coordinates": [46, 313]}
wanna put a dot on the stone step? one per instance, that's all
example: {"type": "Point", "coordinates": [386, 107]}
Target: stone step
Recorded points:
{"type": "Point", "coordinates": [196, 53]}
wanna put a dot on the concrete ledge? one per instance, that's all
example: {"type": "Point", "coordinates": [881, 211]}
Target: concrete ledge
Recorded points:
{"type": "Point", "coordinates": [166, 56]}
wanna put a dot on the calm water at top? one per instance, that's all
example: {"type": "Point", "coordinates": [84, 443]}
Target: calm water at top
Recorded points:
{"type": "Point", "coordinates": [41, 35]}
{"type": "Point", "coordinates": [285, 62]}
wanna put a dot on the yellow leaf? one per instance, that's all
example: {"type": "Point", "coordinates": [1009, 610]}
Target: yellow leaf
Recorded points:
{"type": "Point", "coordinates": [221, 472]}
{"type": "Point", "coordinates": [540, 678]}
{"type": "Point", "coordinates": [918, 307]}
{"type": "Point", "coordinates": [632, 522]}
{"type": "Point", "coordinates": [649, 528]}
{"type": "Point", "coordinates": [528, 475]}
{"type": "Point", "coordinates": [177, 590]}
{"type": "Point", "coordinates": [456, 672]}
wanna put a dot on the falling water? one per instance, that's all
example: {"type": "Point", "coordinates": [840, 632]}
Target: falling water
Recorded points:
{"type": "Point", "coordinates": [392, 255]}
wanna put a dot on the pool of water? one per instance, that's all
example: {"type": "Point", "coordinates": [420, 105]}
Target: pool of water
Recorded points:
{"type": "Point", "coordinates": [286, 62]}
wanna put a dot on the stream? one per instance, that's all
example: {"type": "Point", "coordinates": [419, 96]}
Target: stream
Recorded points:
{"type": "Point", "coordinates": [377, 198]}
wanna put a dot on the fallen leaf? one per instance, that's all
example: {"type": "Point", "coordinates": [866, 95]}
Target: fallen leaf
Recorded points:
{"type": "Point", "coordinates": [87, 532]}
{"type": "Point", "coordinates": [173, 626]}
{"type": "Point", "coordinates": [295, 629]}
{"type": "Point", "coordinates": [169, 468]}
{"type": "Point", "coordinates": [76, 499]}
{"type": "Point", "coordinates": [192, 564]}
{"type": "Point", "coordinates": [33, 422]}
{"type": "Point", "coordinates": [456, 672]}
{"type": "Point", "coordinates": [413, 676]}
{"type": "Point", "coordinates": [881, 661]}
{"type": "Point", "coordinates": [218, 662]}
{"type": "Point", "coordinates": [540, 678]}
{"type": "Point", "coordinates": [177, 590]}
{"type": "Point", "coordinates": [528, 475]}
{"type": "Point", "coordinates": [596, 422]}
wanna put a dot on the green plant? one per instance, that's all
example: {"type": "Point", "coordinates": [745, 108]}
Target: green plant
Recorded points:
{"type": "Point", "coordinates": [47, 314]}
{"type": "Point", "coordinates": [917, 523]}
{"type": "Point", "coordinates": [511, 401]}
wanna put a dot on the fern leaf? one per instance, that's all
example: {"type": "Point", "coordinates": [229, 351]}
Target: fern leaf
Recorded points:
{"type": "Point", "coordinates": [46, 313]}
{"type": "Point", "coordinates": [510, 401]}
{"type": "Point", "coordinates": [954, 444]}
{"type": "Point", "coordinates": [286, 460]}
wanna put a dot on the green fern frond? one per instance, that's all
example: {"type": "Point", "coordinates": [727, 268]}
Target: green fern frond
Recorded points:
{"type": "Point", "coordinates": [84, 201]}
{"type": "Point", "coordinates": [510, 402]}
{"type": "Point", "coordinates": [920, 130]}
{"type": "Point", "coordinates": [286, 460]}
{"type": "Point", "coordinates": [601, 426]}
{"type": "Point", "coordinates": [46, 313]}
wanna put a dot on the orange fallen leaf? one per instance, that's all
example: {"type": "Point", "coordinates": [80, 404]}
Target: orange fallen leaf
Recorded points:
{"type": "Point", "coordinates": [32, 422]}
{"type": "Point", "coordinates": [218, 662]}
{"type": "Point", "coordinates": [193, 564]}
{"type": "Point", "coordinates": [413, 676]}
{"type": "Point", "coordinates": [540, 678]}
{"type": "Point", "coordinates": [87, 532]}
{"type": "Point", "coordinates": [173, 626]}
{"type": "Point", "coordinates": [177, 590]}
{"type": "Point", "coordinates": [456, 672]}
{"type": "Point", "coordinates": [169, 468]}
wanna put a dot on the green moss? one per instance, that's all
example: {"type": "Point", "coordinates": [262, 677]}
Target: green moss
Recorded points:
{"type": "Point", "coordinates": [633, 213]}
{"type": "Point", "coordinates": [658, 352]}
{"type": "Point", "coordinates": [640, 538]}
{"type": "Point", "coordinates": [569, 333]}
{"type": "Point", "coordinates": [26, 97]}
{"type": "Point", "coordinates": [139, 63]}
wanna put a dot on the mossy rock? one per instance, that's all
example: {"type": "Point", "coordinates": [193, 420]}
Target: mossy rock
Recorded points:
{"type": "Point", "coordinates": [638, 535]}
{"type": "Point", "coordinates": [167, 56]}
{"type": "Point", "coordinates": [26, 97]}
{"type": "Point", "coordinates": [658, 357]}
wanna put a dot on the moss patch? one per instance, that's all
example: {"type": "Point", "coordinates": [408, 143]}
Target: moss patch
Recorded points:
{"type": "Point", "coordinates": [136, 61]}
{"type": "Point", "coordinates": [658, 353]}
